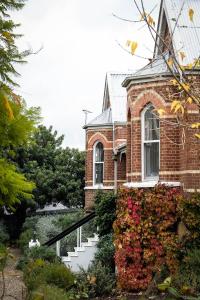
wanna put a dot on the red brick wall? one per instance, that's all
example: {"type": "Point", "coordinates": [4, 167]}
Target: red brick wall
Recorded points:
{"type": "Point", "coordinates": [175, 158]}
{"type": "Point", "coordinates": [105, 136]}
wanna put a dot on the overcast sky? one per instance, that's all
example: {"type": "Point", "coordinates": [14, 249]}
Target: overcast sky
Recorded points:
{"type": "Point", "coordinates": [79, 46]}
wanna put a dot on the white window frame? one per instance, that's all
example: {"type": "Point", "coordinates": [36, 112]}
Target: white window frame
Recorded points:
{"type": "Point", "coordinates": [150, 178]}
{"type": "Point", "coordinates": [94, 165]}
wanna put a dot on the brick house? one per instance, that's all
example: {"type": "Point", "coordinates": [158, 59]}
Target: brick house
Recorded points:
{"type": "Point", "coordinates": [127, 144]}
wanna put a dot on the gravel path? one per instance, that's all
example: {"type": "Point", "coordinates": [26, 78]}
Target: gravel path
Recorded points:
{"type": "Point", "coordinates": [15, 287]}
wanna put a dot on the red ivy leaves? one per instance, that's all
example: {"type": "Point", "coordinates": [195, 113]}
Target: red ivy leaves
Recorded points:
{"type": "Point", "coordinates": [144, 236]}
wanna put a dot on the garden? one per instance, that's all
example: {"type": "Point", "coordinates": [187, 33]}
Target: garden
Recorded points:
{"type": "Point", "coordinates": [148, 247]}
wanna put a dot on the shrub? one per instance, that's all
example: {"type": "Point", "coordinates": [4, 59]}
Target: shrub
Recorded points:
{"type": "Point", "coordinates": [104, 280]}
{"type": "Point", "coordinates": [4, 236]}
{"type": "Point", "coordinates": [59, 275]}
{"type": "Point", "coordinates": [105, 208]}
{"type": "Point", "coordinates": [42, 252]}
{"type": "Point", "coordinates": [40, 272]}
{"type": "Point", "coordinates": [97, 281]}
{"type": "Point", "coordinates": [106, 251]}
{"type": "Point", "coordinates": [24, 239]}
{"type": "Point", "coordinates": [49, 293]}
{"type": "Point", "coordinates": [188, 274]}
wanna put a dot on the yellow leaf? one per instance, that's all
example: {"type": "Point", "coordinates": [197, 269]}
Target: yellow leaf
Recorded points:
{"type": "Point", "coordinates": [160, 111]}
{"type": "Point", "coordinates": [133, 46]}
{"type": "Point", "coordinates": [170, 62]}
{"type": "Point", "coordinates": [191, 14]}
{"type": "Point", "coordinates": [8, 108]}
{"type": "Point", "coordinates": [174, 81]}
{"type": "Point", "coordinates": [179, 107]}
{"type": "Point", "coordinates": [189, 100]}
{"type": "Point", "coordinates": [189, 66]}
{"type": "Point", "coordinates": [182, 68]}
{"type": "Point", "coordinates": [184, 86]}
{"type": "Point", "coordinates": [197, 135]}
{"type": "Point", "coordinates": [151, 21]}
{"type": "Point", "coordinates": [182, 55]}
{"type": "Point", "coordinates": [174, 104]}
{"type": "Point", "coordinates": [195, 125]}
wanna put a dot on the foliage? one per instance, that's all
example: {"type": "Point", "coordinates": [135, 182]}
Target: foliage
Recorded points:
{"type": "Point", "coordinates": [24, 239]}
{"type": "Point", "coordinates": [97, 281]}
{"type": "Point", "coordinates": [39, 272]}
{"type": "Point", "coordinates": [58, 173]}
{"type": "Point", "coordinates": [105, 252]}
{"type": "Point", "coordinates": [45, 253]}
{"type": "Point", "coordinates": [9, 52]}
{"type": "Point", "coordinates": [17, 123]}
{"type": "Point", "coordinates": [13, 185]}
{"type": "Point", "coordinates": [189, 211]}
{"type": "Point", "coordinates": [188, 275]}
{"type": "Point", "coordinates": [105, 208]}
{"type": "Point", "coordinates": [145, 236]}
{"type": "Point", "coordinates": [49, 292]}
{"type": "Point", "coordinates": [4, 236]}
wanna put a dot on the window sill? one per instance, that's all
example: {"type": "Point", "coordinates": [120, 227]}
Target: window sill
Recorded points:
{"type": "Point", "coordinates": [148, 184]}
{"type": "Point", "coordinates": [99, 187]}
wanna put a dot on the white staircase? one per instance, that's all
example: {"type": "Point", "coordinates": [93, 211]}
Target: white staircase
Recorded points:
{"type": "Point", "coordinates": [82, 255]}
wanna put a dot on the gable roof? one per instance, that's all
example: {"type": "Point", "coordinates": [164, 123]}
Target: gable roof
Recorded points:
{"type": "Point", "coordinates": [115, 95]}
{"type": "Point", "coordinates": [114, 101]}
{"type": "Point", "coordinates": [186, 34]}
{"type": "Point", "coordinates": [186, 38]}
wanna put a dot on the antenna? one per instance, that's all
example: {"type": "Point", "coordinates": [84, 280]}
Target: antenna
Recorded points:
{"type": "Point", "coordinates": [86, 112]}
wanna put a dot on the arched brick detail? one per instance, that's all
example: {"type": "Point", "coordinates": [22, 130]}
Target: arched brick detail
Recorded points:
{"type": "Point", "coordinates": [99, 137]}
{"type": "Point", "coordinates": [149, 96]}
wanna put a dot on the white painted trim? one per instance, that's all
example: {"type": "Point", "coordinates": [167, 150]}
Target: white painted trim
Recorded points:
{"type": "Point", "coordinates": [192, 190]}
{"type": "Point", "coordinates": [148, 184]}
{"type": "Point", "coordinates": [179, 172]}
{"type": "Point", "coordinates": [142, 144]}
{"type": "Point", "coordinates": [99, 187]}
{"type": "Point", "coordinates": [94, 152]}
{"type": "Point", "coordinates": [133, 174]}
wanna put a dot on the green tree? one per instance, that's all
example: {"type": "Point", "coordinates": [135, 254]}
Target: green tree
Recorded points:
{"type": "Point", "coordinates": [57, 172]}
{"type": "Point", "coordinates": [17, 123]}
{"type": "Point", "coordinates": [9, 53]}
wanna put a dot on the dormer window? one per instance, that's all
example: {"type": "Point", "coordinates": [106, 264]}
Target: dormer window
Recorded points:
{"type": "Point", "coordinates": [150, 144]}
{"type": "Point", "coordinates": [98, 164]}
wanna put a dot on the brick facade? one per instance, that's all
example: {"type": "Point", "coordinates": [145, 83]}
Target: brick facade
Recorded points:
{"type": "Point", "coordinates": [179, 163]}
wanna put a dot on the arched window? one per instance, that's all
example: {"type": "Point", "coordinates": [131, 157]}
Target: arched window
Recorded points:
{"type": "Point", "coordinates": [150, 144]}
{"type": "Point", "coordinates": [98, 163]}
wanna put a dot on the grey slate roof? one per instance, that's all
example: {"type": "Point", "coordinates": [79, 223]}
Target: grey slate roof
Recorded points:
{"type": "Point", "coordinates": [104, 118]}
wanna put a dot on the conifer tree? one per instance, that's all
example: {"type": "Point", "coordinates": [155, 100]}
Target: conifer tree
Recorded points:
{"type": "Point", "coordinates": [9, 53]}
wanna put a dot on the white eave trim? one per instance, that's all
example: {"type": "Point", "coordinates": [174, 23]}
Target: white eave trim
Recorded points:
{"type": "Point", "coordinates": [149, 184]}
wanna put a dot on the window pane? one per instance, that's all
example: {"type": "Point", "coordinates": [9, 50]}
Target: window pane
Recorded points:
{"type": "Point", "coordinates": [98, 173]}
{"type": "Point", "coordinates": [151, 125]}
{"type": "Point", "coordinates": [99, 153]}
{"type": "Point", "coordinates": [151, 159]}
